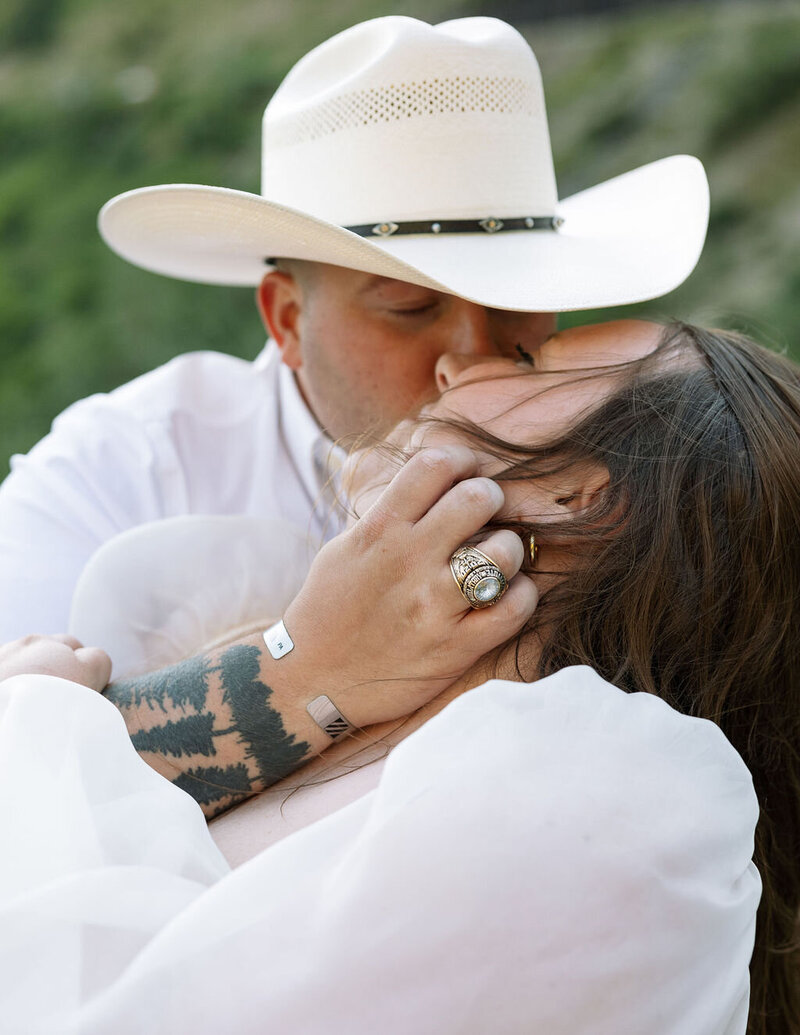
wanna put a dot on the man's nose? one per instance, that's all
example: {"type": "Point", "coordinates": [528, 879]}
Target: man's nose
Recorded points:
{"type": "Point", "coordinates": [470, 331]}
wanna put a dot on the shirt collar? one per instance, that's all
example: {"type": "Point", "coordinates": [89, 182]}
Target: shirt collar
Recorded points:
{"type": "Point", "coordinates": [305, 440]}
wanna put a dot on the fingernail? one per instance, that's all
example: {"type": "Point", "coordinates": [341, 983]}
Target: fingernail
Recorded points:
{"type": "Point", "coordinates": [499, 495]}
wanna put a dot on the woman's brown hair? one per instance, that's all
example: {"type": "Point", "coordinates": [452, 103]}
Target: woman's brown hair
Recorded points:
{"type": "Point", "coordinates": [688, 584]}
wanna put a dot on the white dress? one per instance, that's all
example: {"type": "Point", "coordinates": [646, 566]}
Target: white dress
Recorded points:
{"type": "Point", "coordinates": [556, 857]}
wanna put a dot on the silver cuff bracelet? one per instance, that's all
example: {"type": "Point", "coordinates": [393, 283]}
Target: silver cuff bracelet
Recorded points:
{"type": "Point", "coordinates": [328, 717]}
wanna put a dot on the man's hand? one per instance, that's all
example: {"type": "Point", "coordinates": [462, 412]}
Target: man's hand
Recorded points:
{"type": "Point", "coordinates": [380, 624]}
{"type": "Point", "coordinates": [56, 656]}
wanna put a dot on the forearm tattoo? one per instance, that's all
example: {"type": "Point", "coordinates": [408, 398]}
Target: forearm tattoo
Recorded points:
{"type": "Point", "coordinates": [177, 723]}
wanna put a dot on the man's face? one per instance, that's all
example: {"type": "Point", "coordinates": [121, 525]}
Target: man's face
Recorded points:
{"type": "Point", "coordinates": [365, 347]}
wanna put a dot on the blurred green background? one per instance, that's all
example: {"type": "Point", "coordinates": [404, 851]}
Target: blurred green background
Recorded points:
{"type": "Point", "coordinates": [99, 96]}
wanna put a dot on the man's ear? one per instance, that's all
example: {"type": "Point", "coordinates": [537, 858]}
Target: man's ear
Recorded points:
{"type": "Point", "coordinates": [279, 301]}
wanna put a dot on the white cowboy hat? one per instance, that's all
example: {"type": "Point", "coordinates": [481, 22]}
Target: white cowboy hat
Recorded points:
{"type": "Point", "coordinates": [422, 153]}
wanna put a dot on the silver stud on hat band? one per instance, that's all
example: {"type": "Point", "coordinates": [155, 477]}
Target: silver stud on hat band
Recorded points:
{"type": "Point", "coordinates": [488, 225]}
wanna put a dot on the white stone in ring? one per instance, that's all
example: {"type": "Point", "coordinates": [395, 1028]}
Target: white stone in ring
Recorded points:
{"type": "Point", "coordinates": [487, 589]}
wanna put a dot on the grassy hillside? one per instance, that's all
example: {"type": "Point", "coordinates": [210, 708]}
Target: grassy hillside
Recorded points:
{"type": "Point", "coordinates": [99, 96]}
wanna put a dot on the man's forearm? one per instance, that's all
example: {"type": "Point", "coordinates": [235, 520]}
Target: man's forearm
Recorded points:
{"type": "Point", "coordinates": [214, 727]}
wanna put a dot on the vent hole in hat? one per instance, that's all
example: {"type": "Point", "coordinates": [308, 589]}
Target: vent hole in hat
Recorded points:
{"type": "Point", "coordinates": [427, 97]}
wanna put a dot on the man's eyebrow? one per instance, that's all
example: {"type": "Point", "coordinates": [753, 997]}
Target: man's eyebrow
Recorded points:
{"type": "Point", "coordinates": [376, 281]}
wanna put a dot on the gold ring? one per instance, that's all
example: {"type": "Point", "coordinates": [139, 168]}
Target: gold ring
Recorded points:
{"type": "Point", "coordinates": [477, 576]}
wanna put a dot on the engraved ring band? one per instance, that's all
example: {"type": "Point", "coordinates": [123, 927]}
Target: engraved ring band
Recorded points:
{"type": "Point", "coordinates": [477, 576]}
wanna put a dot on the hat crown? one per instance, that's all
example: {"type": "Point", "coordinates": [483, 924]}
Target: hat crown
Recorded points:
{"type": "Point", "coordinates": [442, 129]}
{"type": "Point", "coordinates": [395, 119]}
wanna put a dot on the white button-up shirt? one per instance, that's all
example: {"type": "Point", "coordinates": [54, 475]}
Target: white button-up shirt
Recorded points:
{"type": "Point", "coordinates": [204, 434]}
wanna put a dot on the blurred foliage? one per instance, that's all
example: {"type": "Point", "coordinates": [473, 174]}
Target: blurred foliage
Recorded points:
{"type": "Point", "coordinates": [100, 96]}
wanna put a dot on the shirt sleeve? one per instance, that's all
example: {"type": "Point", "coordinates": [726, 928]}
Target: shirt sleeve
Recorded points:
{"type": "Point", "coordinates": [199, 435]}
{"type": "Point", "coordinates": [100, 471]}
{"type": "Point", "coordinates": [556, 857]}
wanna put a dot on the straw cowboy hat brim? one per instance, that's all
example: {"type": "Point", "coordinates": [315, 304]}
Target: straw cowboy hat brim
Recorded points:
{"type": "Point", "coordinates": [422, 153]}
{"type": "Point", "coordinates": [635, 237]}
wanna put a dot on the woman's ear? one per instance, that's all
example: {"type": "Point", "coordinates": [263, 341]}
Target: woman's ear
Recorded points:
{"type": "Point", "coordinates": [586, 482]}
{"type": "Point", "coordinates": [279, 301]}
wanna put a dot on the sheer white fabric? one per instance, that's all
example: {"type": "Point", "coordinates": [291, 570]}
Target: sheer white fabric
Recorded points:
{"type": "Point", "coordinates": [162, 592]}
{"type": "Point", "coordinates": [556, 857]}
{"type": "Point", "coordinates": [553, 857]}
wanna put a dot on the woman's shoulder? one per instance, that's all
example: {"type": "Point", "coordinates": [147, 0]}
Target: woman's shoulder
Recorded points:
{"type": "Point", "coordinates": [573, 709]}
{"type": "Point", "coordinates": [576, 755]}
{"type": "Point", "coordinates": [600, 842]}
